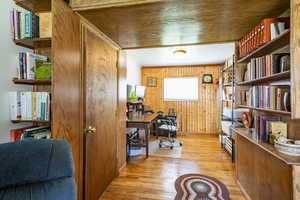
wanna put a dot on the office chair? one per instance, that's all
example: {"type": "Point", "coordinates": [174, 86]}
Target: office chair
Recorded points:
{"type": "Point", "coordinates": [167, 126]}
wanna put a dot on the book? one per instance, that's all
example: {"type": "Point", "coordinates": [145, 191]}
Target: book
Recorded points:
{"type": "Point", "coordinates": [29, 105]}
{"type": "Point", "coordinates": [28, 64]}
{"type": "Point", "coordinates": [12, 24]}
{"type": "Point", "coordinates": [265, 31]}
{"type": "Point", "coordinates": [42, 132]}
{"type": "Point", "coordinates": [27, 24]}
{"type": "Point", "coordinates": [267, 65]}
{"type": "Point", "coordinates": [285, 63]}
{"type": "Point", "coordinates": [267, 97]}
{"type": "Point", "coordinates": [24, 24]}
{"type": "Point", "coordinates": [287, 101]}
{"type": "Point", "coordinates": [276, 29]}
{"type": "Point", "coordinates": [15, 107]}
{"type": "Point", "coordinates": [15, 134]}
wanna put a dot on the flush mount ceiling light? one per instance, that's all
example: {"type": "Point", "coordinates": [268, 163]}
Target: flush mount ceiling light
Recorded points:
{"type": "Point", "coordinates": [179, 51]}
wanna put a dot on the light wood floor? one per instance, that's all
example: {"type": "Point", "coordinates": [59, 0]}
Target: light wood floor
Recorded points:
{"type": "Point", "coordinates": [154, 178]}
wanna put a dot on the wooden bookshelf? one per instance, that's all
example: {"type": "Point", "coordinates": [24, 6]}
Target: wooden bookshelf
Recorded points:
{"type": "Point", "coordinates": [34, 43]}
{"type": "Point", "coordinates": [227, 68]}
{"type": "Point", "coordinates": [35, 5]}
{"type": "Point", "coordinates": [227, 84]}
{"type": "Point", "coordinates": [227, 100]}
{"type": "Point", "coordinates": [32, 82]}
{"type": "Point", "coordinates": [274, 77]}
{"type": "Point", "coordinates": [32, 121]}
{"type": "Point", "coordinates": [275, 44]}
{"type": "Point", "coordinates": [266, 110]}
{"type": "Point", "coordinates": [41, 46]}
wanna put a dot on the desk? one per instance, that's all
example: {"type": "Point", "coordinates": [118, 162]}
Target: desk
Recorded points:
{"type": "Point", "coordinates": [142, 122]}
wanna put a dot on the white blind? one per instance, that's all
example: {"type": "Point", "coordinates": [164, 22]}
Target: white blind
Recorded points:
{"type": "Point", "coordinates": [180, 88]}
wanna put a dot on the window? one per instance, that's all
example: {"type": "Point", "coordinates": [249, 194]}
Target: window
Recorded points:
{"type": "Point", "coordinates": [181, 88]}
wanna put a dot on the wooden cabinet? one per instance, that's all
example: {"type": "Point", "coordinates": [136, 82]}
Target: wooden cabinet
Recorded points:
{"type": "Point", "coordinates": [262, 172]}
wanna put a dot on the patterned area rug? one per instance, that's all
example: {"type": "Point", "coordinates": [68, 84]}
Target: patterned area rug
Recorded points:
{"type": "Point", "coordinates": [154, 150]}
{"type": "Point", "coordinates": [200, 187]}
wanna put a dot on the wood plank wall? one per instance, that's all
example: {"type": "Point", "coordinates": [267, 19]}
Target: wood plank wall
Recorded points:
{"type": "Point", "coordinates": [122, 99]}
{"type": "Point", "coordinates": [66, 79]}
{"type": "Point", "coordinates": [202, 116]}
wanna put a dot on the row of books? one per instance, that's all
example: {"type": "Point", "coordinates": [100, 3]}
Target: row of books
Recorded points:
{"type": "Point", "coordinates": [28, 64]}
{"type": "Point", "coordinates": [267, 65]}
{"type": "Point", "coordinates": [24, 24]}
{"type": "Point", "coordinates": [36, 132]}
{"type": "Point", "coordinates": [264, 32]}
{"type": "Point", "coordinates": [29, 105]}
{"type": "Point", "coordinates": [268, 126]}
{"type": "Point", "coordinates": [229, 62]}
{"type": "Point", "coordinates": [268, 97]}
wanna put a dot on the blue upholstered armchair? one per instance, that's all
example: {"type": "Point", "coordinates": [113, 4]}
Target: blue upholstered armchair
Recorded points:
{"type": "Point", "coordinates": [36, 170]}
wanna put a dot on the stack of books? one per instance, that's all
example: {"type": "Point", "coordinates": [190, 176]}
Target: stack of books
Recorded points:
{"type": "Point", "coordinates": [268, 97]}
{"type": "Point", "coordinates": [28, 64]}
{"type": "Point", "coordinates": [267, 65]}
{"type": "Point", "coordinates": [24, 24]}
{"type": "Point", "coordinates": [36, 132]}
{"type": "Point", "coordinates": [262, 125]}
{"type": "Point", "coordinates": [264, 32]}
{"type": "Point", "coordinates": [29, 106]}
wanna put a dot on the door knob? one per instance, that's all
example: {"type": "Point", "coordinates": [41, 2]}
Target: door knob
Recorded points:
{"type": "Point", "coordinates": [90, 129]}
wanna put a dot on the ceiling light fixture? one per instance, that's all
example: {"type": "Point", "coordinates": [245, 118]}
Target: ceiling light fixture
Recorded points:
{"type": "Point", "coordinates": [179, 51]}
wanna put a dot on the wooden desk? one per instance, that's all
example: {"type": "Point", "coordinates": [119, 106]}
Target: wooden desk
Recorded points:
{"type": "Point", "coordinates": [142, 122]}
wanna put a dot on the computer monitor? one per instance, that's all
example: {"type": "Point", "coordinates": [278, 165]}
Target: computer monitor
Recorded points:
{"type": "Point", "coordinates": [140, 91]}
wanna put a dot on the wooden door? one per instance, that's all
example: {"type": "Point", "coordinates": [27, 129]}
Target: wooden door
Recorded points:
{"type": "Point", "coordinates": [100, 92]}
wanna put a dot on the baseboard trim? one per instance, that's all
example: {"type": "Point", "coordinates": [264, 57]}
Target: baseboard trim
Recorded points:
{"type": "Point", "coordinates": [243, 190]}
{"type": "Point", "coordinates": [122, 167]}
{"type": "Point", "coordinates": [206, 134]}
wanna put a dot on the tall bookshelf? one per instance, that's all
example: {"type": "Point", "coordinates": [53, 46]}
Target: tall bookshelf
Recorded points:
{"type": "Point", "coordinates": [227, 104]}
{"type": "Point", "coordinates": [41, 46]}
{"type": "Point", "coordinates": [255, 156]}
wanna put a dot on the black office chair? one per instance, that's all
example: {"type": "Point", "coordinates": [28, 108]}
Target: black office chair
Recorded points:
{"type": "Point", "coordinates": [167, 127]}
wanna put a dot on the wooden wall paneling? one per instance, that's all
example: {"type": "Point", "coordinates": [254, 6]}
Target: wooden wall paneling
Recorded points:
{"type": "Point", "coordinates": [66, 80]}
{"type": "Point", "coordinates": [200, 116]}
{"type": "Point", "coordinates": [122, 99]}
{"type": "Point", "coordinates": [295, 58]}
{"type": "Point", "coordinates": [178, 22]}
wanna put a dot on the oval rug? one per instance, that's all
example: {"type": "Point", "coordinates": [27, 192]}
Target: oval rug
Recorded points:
{"type": "Point", "coordinates": [200, 187]}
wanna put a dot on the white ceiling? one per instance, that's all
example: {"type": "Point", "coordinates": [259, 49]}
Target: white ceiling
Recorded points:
{"type": "Point", "coordinates": [197, 54]}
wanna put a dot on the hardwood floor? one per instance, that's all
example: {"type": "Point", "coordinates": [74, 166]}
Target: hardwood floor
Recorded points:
{"type": "Point", "coordinates": [154, 178]}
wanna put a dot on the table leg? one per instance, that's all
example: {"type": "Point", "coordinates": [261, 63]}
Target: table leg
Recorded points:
{"type": "Point", "coordinates": [147, 140]}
